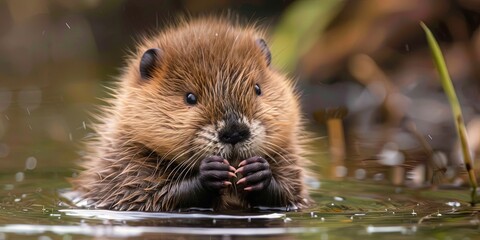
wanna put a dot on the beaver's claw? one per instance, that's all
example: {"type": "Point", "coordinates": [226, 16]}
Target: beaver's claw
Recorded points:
{"type": "Point", "coordinates": [256, 172]}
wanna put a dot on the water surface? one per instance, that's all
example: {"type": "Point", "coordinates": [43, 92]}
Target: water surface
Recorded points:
{"type": "Point", "coordinates": [34, 208]}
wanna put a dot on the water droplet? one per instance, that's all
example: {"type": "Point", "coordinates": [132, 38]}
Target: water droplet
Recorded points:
{"type": "Point", "coordinates": [454, 204]}
{"type": "Point", "coordinates": [322, 219]}
{"type": "Point", "coordinates": [17, 200]}
{"type": "Point", "coordinates": [31, 163]}
{"type": "Point", "coordinates": [19, 176]}
{"type": "Point", "coordinates": [339, 199]}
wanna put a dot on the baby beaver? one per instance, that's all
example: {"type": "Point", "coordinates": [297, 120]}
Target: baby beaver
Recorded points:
{"type": "Point", "coordinates": [198, 119]}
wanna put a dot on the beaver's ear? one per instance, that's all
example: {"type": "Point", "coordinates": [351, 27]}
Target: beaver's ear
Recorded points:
{"type": "Point", "coordinates": [151, 59]}
{"type": "Point", "coordinates": [263, 46]}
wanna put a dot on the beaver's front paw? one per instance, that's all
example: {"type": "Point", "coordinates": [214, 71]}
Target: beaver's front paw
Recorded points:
{"type": "Point", "coordinates": [256, 172]}
{"type": "Point", "coordinates": [215, 173]}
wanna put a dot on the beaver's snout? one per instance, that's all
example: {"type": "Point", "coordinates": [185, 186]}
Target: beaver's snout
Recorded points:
{"type": "Point", "coordinates": [233, 133]}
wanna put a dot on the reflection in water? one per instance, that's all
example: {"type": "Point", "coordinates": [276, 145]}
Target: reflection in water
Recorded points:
{"type": "Point", "coordinates": [344, 209]}
{"type": "Point", "coordinates": [129, 231]}
{"type": "Point", "coordinates": [124, 215]}
{"type": "Point", "coordinates": [392, 229]}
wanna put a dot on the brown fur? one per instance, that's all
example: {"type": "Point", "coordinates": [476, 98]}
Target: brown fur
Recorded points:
{"type": "Point", "coordinates": [149, 139]}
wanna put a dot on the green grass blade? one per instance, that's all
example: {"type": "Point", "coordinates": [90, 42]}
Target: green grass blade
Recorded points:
{"type": "Point", "coordinates": [454, 103]}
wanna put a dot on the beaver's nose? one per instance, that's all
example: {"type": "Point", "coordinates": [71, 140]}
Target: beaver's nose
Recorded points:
{"type": "Point", "coordinates": [234, 133]}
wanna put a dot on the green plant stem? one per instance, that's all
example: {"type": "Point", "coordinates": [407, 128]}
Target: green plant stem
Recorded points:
{"type": "Point", "coordinates": [456, 109]}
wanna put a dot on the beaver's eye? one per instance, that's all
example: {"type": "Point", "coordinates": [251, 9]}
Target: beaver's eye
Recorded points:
{"type": "Point", "coordinates": [258, 91]}
{"type": "Point", "coordinates": [191, 99]}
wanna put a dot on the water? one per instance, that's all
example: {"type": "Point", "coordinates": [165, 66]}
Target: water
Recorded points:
{"type": "Point", "coordinates": [35, 208]}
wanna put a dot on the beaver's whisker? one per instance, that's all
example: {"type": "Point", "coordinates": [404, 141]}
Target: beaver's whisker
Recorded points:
{"type": "Point", "coordinates": [160, 161]}
{"type": "Point", "coordinates": [189, 162]}
{"type": "Point", "coordinates": [182, 164]}
{"type": "Point", "coordinates": [270, 147]}
{"type": "Point", "coordinates": [269, 156]}
{"type": "Point", "coordinates": [193, 162]}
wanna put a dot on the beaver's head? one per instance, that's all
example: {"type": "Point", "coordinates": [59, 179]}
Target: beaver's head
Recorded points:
{"type": "Point", "coordinates": [207, 88]}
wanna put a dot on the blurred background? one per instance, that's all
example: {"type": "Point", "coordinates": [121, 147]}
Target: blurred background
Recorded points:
{"type": "Point", "coordinates": [371, 93]}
